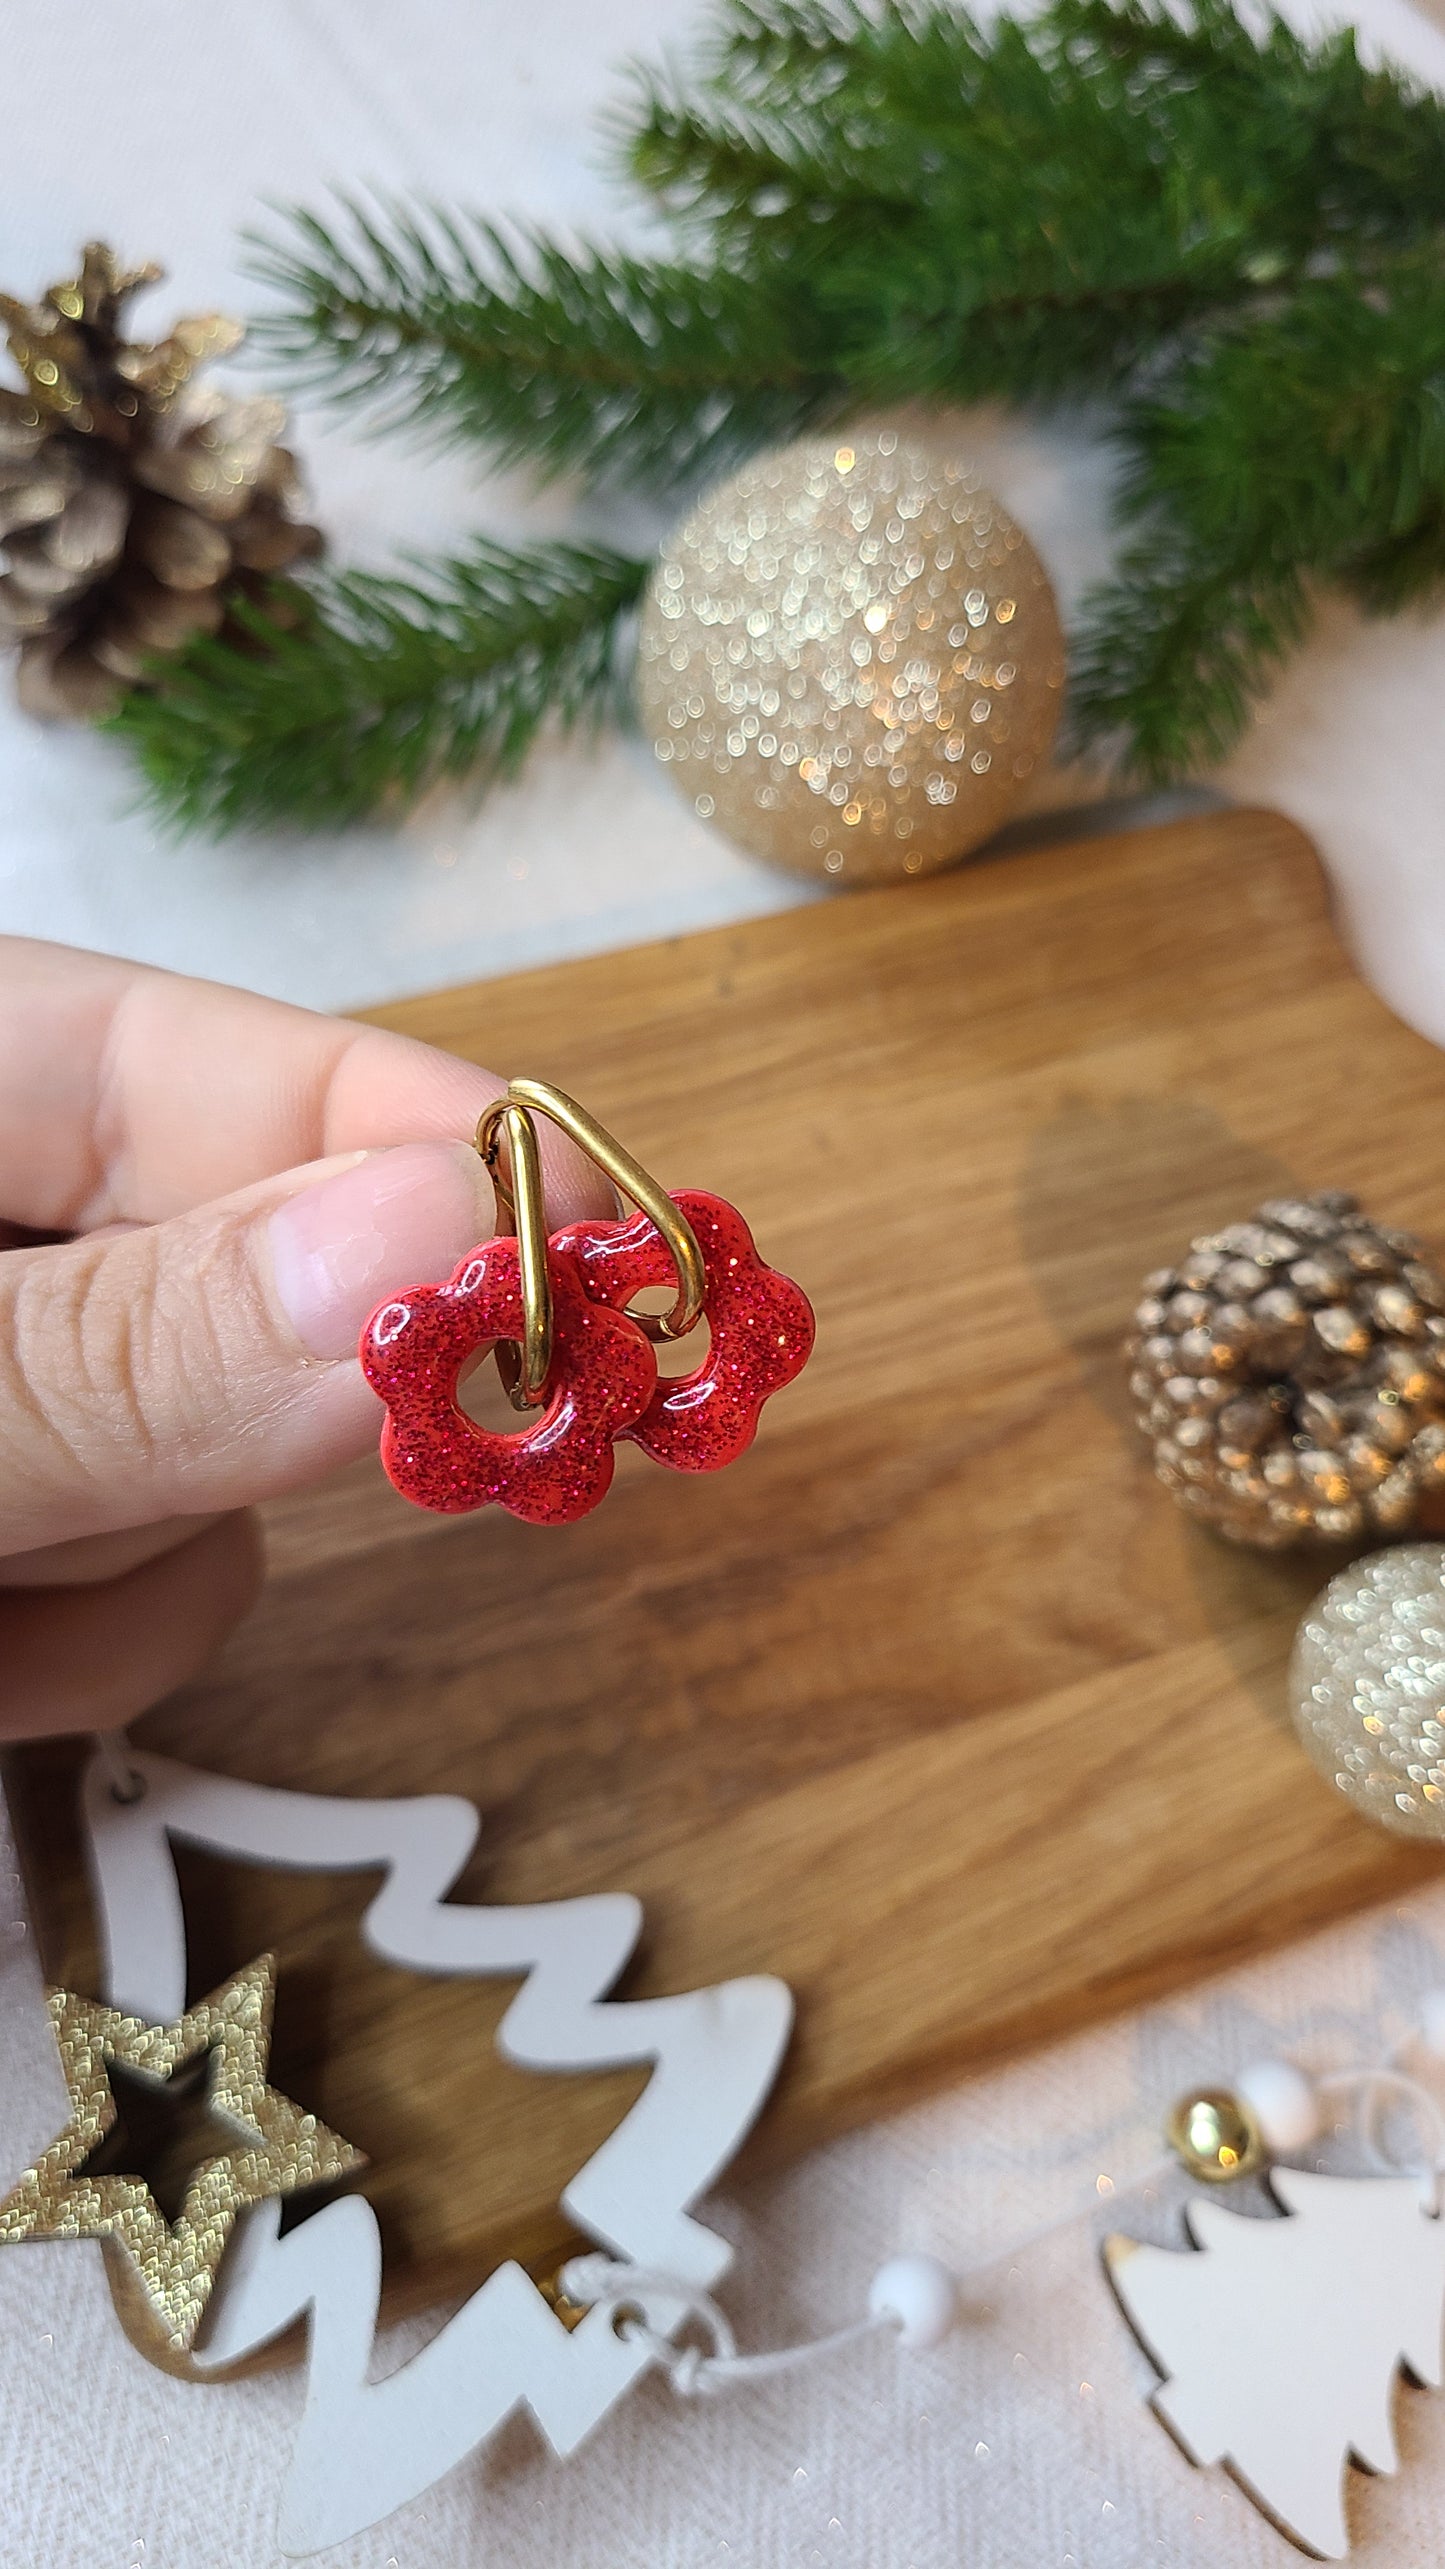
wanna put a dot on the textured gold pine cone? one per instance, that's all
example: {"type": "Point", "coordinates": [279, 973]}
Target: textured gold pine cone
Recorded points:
{"type": "Point", "coordinates": [1290, 1376]}
{"type": "Point", "coordinates": [135, 504]}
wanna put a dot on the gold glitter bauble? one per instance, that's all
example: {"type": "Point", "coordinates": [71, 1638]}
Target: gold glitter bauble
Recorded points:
{"type": "Point", "coordinates": [1215, 2136]}
{"type": "Point", "coordinates": [163, 2272]}
{"type": "Point", "coordinates": [850, 657]}
{"type": "Point", "coordinates": [1367, 1686]}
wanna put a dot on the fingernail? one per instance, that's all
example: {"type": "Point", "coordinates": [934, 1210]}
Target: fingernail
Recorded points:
{"type": "Point", "coordinates": [400, 1217]}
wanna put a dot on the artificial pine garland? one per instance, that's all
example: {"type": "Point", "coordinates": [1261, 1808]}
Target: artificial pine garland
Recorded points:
{"type": "Point", "coordinates": [1226, 238]}
{"type": "Point", "coordinates": [380, 688]}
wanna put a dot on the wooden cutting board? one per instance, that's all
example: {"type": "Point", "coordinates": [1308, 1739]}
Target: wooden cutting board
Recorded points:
{"type": "Point", "coordinates": [934, 1704]}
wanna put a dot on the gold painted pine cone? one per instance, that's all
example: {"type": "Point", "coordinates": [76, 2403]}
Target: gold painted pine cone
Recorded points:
{"type": "Point", "coordinates": [134, 503]}
{"type": "Point", "coordinates": [1290, 1376]}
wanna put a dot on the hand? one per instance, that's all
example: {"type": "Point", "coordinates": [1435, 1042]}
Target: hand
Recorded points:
{"type": "Point", "coordinates": [236, 1184]}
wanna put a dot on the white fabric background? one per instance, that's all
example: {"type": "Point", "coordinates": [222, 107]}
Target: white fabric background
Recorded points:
{"type": "Point", "coordinates": [1024, 2444]}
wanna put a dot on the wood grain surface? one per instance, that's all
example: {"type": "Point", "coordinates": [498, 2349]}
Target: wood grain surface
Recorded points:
{"type": "Point", "coordinates": [934, 1704]}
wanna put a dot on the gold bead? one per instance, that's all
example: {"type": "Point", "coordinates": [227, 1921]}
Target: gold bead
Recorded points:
{"type": "Point", "coordinates": [1215, 2136]}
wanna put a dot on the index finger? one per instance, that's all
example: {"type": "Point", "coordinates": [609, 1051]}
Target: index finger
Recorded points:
{"type": "Point", "coordinates": [129, 1094]}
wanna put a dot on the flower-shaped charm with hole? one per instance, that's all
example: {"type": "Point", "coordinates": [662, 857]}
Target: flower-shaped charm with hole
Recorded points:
{"type": "Point", "coordinates": [602, 1377]}
{"type": "Point", "coordinates": [760, 1325]}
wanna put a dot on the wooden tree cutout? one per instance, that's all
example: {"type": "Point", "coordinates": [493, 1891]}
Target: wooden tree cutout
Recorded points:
{"type": "Point", "coordinates": [1280, 2341]}
{"type": "Point", "coordinates": [365, 2447]}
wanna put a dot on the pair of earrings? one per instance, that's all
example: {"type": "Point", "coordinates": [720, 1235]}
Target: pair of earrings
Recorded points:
{"type": "Point", "coordinates": [559, 1313]}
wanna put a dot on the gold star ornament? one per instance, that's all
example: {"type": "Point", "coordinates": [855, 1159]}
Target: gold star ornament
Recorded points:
{"type": "Point", "coordinates": [163, 2272]}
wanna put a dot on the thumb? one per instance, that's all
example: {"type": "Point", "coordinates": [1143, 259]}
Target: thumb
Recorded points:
{"type": "Point", "coordinates": [210, 1360]}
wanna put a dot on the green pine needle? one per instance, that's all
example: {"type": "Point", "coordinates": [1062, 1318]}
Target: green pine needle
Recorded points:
{"type": "Point", "coordinates": [365, 691]}
{"type": "Point", "coordinates": [617, 367]}
{"type": "Point", "coordinates": [1035, 207]}
{"type": "Point", "coordinates": [872, 206]}
{"type": "Point", "coordinates": [1306, 448]}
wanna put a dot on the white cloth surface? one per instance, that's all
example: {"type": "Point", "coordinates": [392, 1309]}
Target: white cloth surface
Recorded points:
{"type": "Point", "coordinates": [1024, 2444]}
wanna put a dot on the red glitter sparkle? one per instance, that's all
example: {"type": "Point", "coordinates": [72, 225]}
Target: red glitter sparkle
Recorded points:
{"type": "Point", "coordinates": [760, 1323]}
{"type": "Point", "coordinates": [412, 1353]}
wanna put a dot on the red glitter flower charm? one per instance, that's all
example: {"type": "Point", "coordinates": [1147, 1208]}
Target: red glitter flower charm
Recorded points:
{"type": "Point", "coordinates": [582, 1354]}
{"type": "Point", "coordinates": [412, 1352]}
{"type": "Point", "coordinates": [760, 1323]}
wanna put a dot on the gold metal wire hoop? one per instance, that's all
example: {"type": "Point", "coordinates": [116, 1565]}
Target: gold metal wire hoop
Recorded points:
{"type": "Point", "coordinates": [511, 1117]}
{"type": "Point", "coordinates": [521, 1192]}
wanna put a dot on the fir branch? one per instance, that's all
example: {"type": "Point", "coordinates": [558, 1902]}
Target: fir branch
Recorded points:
{"type": "Point", "coordinates": [1261, 146]}
{"type": "Point", "coordinates": [599, 363]}
{"type": "Point", "coordinates": [846, 89]}
{"type": "Point", "coordinates": [878, 203]}
{"type": "Point", "coordinates": [1304, 449]}
{"type": "Point", "coordinates": [1172, 654]}
{"type": "Point", "coordinates": [361, 691]}
{"type": "Point", "coordinates": [1046, 207]}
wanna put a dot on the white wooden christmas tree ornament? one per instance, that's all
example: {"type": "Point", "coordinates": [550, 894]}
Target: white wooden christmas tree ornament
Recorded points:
{"type": "Point", "coordinates": [364, 2448]}
{"type": "Point", "coordinates": [1281, 2339]}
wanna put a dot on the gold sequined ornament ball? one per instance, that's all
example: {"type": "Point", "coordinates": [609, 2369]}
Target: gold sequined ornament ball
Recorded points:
{"type": "Point", "coordinates": [850, 658]}
{"type": "Point", "coordinates": [1367, 1687]}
